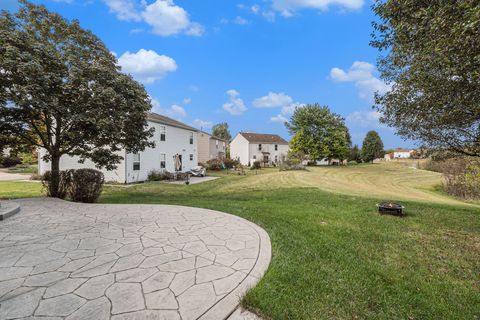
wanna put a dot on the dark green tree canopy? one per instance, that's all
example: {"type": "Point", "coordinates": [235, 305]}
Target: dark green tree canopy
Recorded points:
{"type": "Point", "coordinates": [61, 89]}
{"type": "Point", "coordinates": [319, 133]}
{"type": "Point", "coordinates": [372, 147]}
{"type": "Point", "coordinates": [432, 61]}
{"type": "Point", "coordinates": [221, 130]}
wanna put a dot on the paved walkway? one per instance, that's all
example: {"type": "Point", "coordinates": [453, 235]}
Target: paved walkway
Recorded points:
{"type": "Point", "coordinates": [7, 176]}
{"type": "Point", "coordinates": [63, 260]}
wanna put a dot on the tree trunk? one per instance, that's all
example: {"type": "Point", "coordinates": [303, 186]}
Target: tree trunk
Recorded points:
{"type": "Point", "coordinates": [54, 183]}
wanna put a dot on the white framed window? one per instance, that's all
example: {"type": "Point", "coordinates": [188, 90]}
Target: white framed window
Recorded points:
{"type": "Point", "coordinates": [260, 146]}
{"type": "Point", "coordinates": [163, 160]}
{"type": "Point", "coordinates": [136, 161]}
{"type": "Point", "coordinates": [276, 147]}
{"type": "Point", "coordinates": [191, 137]}
{"type": "Point", "coordinates": [191, 157]}
{"type": "Point", "coordinates": [162, 133]}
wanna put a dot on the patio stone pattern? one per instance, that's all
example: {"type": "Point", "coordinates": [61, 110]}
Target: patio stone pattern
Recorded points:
{"type": "Point", "coordinates": [63, 260]}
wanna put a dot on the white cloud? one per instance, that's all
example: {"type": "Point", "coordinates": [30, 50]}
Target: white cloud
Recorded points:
{"type": "Point", "coordinates": [177, 110]}
{"type": "Point", "coordinates": [287, 8]}
{"type": "Point", "coordinates": [168, 19]}
{"type": "Point", "coordinates": [146, 66]}
{"type": "Point", "coordinates": [279, 118]}
{"type": "Point", "coordinates": [235, 106]}
{"type": "Point", "coordinates": [363, 75]}
{"type": "Point", "coordinates": [165, 18]}
{"type": "Point", "coordinates": [264, 11]}
{"type": "Point", "coordinates": [365, 119]}
{"type": "Point", "coordinates": [240, 20]}
{"type": "Point", "coordinates": [202, 124]}
{"type": "Point", "coordinates": [273, 100]}
{"type": "Point", "coordinates": [124, 9]}
{"type": "Point", "coordinates": [187, 100]}
{"type": "Point", "coordinates": [278, 100]}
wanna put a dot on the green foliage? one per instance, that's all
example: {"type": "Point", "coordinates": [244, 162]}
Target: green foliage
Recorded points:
{"type": "Point", "coordinates": [64, 184]}
{"type": "Point", "coordinates": [355, 155]}
{"type": "Point", "coordinates": [10, 161]}
{"type": "Point", "coordinates": [433, 61]}
{"type": "Point", "coordinates": [230, 163]}
{"type": "Point", "coordinates": [256, 165]}
{"type": "Point", "coordinates": [319, 133]}
{"type": "Point", "coordinates": [61, 89]}
{"type": "Point", "coordinates": [86, 185]}
{"type": "Point", "coordinates": [372, 147]}
{"type": "Point", "coordinates": [221, 130]}
{"type": "Point", "coordinates": [214, 165]}
{"type": "Point", "coordinates": [157, 175]}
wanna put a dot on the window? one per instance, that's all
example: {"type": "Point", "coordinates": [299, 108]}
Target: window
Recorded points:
{"type": "Point", "coordinates": [216, 144]}
{"type": "Point", "coordinates": [254, 157]}
{"type": "Point", "coordinates": [223, 145]}
{"type": "Point", "coordinates": [276, 159]}
{"type": "Point", "coordinates": [276, 147]}
{"type": "Point", "coordinates": [136, 161]}
{"type": "Point", "coordinates": [191, 157]}
{"type": "Point", "coordinates": [191, 137]}
{"type": "Point", "coordinates": [162, 133]}
{"type": "Point", "coordinates": [259, 146]}
{"type": "Point", "coordinates": [163, 163]}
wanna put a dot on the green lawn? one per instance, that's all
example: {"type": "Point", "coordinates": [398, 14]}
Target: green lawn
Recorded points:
{"type": "Point", "coordinates": [334, 257]}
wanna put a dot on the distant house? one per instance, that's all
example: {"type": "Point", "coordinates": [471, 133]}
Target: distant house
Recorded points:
{"type": "Point", "coordinates": [210, 147]}
{"type": "Point", "coordinates": [250, 147]}
{"type": "Point", "coordinates": [171, 137]}
{"type": "Point", "coordinates": [400, 153]}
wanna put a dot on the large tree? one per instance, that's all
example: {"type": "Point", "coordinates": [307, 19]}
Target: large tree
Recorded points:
{"type": "Point", "coordinates": [61, 89]}
{"type": "Point", "coordinates": [432, 61]}
{"type": "Point", "coordinates": [319, 133]}
{"type": "Point", "coordinates": [221, 130]}
{"type": "Point", "coordinates": [372, 147]}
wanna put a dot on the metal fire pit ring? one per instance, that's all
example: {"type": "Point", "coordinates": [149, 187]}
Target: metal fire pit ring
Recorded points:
{"type": "Point", "coordinates": [390, 207]}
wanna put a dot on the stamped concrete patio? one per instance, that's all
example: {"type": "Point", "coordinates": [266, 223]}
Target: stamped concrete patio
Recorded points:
{"type": "Point", "coordinates": [62, 260]}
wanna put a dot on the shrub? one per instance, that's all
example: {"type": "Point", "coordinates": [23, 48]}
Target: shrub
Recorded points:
{"type": "Point", "coordinates": [86, 185]}
{"type": "Point", "coordinates": [8, 162]}
{"type": "Point", "coordinates": [81, 185]}
{"type": "Point", "coordinates": [230, 163]}
{"type": "Point", "coordinates": [256, 165]}
{"type": "Point", "coordinates": [288, 166]}
{"type": "Point", "coordinates": [156, 175]}
{"type": "Point", "coordinates": [64, 184]}
{"type": "Point", "coordinates": [214, 165]}
{"type": "Point", "coordinates": [462, 177]}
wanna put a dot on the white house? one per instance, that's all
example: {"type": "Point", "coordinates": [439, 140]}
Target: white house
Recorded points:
{"type": "Point", "coordinates": [400, 153]}
{"type": "Point", "coordinates": [210, 147]}
{"type": "Point", "coordinates": [250, 147]}
{"type": "Point", "coordinates": [171, 137]}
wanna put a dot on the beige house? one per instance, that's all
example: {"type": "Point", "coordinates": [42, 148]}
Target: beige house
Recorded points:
{"type": "Point", "coordinates": [248, 147]}
{"type": "Point", "coordinates": [210, 147]}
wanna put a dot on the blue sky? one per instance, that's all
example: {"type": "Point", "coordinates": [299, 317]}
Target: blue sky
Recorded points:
{"type": "Point", "coordinates": [244, 62]}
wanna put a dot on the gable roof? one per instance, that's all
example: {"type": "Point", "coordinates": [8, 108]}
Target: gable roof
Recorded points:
{"type": "Point", "coordinates": [213, 137]}
{"type": "Point", "coordinates": [155, 117]}
{"type": "Point", "coordinates": [263, 138]}
{"type": "Point", "coordinates": [402, 150]}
